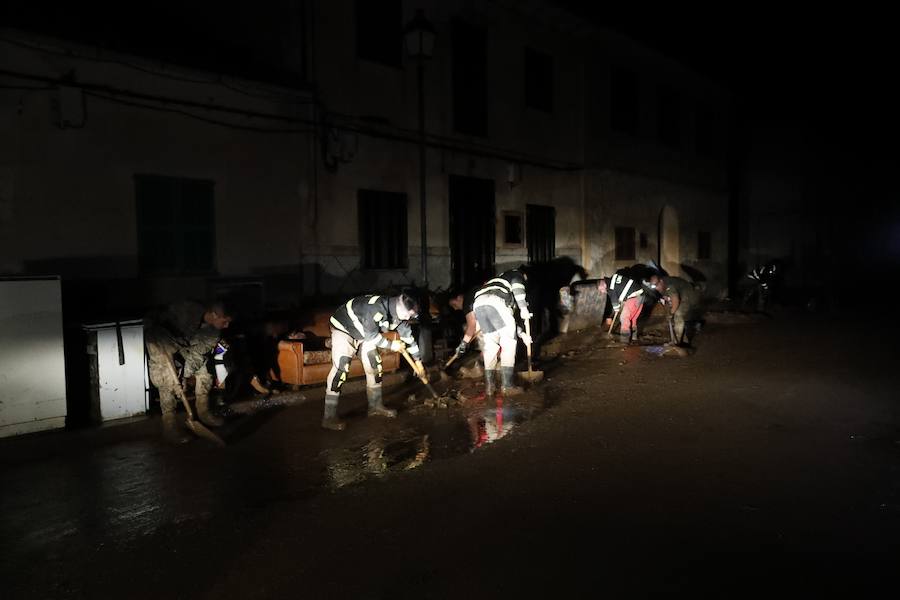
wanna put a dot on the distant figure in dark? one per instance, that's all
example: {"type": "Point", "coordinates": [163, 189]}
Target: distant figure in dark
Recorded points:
{"type": "Point", "coordinates": [683, 300]}
{"type": "Point", "coordinates": [186, 332]}
{"type": "Point", "coordinates": [761, 284]}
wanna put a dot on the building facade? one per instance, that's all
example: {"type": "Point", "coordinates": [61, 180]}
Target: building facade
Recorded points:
{"type": "Point", "coordinates": [139, 181]}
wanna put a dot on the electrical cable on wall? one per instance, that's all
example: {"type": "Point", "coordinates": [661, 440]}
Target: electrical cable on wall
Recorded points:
{"type": "Point", "coordinates": [219, 80]}
{"type": "Point", "coordinates": [404, 137]}
{"type": "Point", "coordinates": [197, 117]}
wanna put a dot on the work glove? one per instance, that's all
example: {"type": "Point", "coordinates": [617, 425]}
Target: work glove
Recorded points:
{"type": "Point", "coordinates": [525, 314]}
{"type": "Point", "coordinates": [397, 346]}
{"type": "Point", "coordinates": [617, 307]}
{"type": "Point", "coordinates": [526, 339]}
{"type": "Point", "coordinates": [461, 349]}
{"type": "Point", "coordinates": [420, 369]}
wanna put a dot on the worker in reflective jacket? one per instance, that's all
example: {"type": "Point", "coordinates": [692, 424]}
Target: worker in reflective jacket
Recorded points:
{"type": "Point", "coordinates": [464, 301]}
{"type": "Point", "coordinates": [357, 326]}
{"type": "Point", "coordinates": [494, 304]}
{"type": "Point", "coordinates": [628, 293]}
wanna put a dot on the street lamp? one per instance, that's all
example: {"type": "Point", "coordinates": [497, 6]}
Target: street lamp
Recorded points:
{"type": "Point", "coordinates": [419, 38]}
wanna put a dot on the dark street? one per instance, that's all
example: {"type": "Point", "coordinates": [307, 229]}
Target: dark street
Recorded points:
{"type": "Point", "coordinates": [447, 299]}
{"type": "Point", "coordinates": [765, 461]}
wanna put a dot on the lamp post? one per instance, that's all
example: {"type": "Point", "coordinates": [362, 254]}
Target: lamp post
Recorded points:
{"type": "Point", "coordinates": [419, 38]}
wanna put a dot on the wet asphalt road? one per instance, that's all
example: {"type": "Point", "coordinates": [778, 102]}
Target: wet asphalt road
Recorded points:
{"type": "Point", "coordinates": [766, 462]}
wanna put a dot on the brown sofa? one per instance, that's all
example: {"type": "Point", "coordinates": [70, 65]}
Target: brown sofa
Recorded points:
{"type": "Point", "coordinates": [307, 362]}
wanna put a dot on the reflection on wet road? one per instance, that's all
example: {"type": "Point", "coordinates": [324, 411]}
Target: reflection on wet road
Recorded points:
{"type": "Point", "coordinates": [430, 434]}
{"type": "Point", "coordinates": [97, 487]}
{"type": "Point", "coordinates": [97, 493]}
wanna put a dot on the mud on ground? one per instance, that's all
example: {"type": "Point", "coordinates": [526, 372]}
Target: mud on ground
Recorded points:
{"type": "Point", "coordinates": [766, 462]}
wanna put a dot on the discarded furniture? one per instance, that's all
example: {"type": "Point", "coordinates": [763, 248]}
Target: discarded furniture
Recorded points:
{"type": "Point", "coordinates": [308, 361]}
{"type": "Point", "coordinates": [118, 370]}
{"type": "Point", "coordinates": [32, 361]}
{"type": "Point", "coordinates": [583, 304]}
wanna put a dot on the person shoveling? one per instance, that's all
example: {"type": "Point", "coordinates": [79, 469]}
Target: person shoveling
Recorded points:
{"type": "Point", "coordinates": [493, 305]}
{"type": "Point", "coordinates": [191, 331]}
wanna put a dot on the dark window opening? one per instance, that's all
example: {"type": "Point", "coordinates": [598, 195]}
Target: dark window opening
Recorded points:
{"type": "Point", "coordinates": [643, 242]}
{"type": "Point", "coordinates": [704, 131]}
{"type": "Point", "coordinates": [512, 228]}
{"type": "Point", "coordinates": [176, 225]}
{"type": "Point", "coordinates": [538, 80]}
{"type": "Point", "coordinates": [382, 230]}
{"type": "Point", "coordinates": [540, 234]}
{"type": "Point", "coordinates": [624, 243]}
{"type": "Point", "coordinates": [704, 245]}
{"type": "Point", "coordinates": [669, 117]}
{"type": "Point", "coordinates": [624, 101]}
{"type": "Point", "coordinates": [469, 78]}
{"type": "Point", "coordinates": [379, 31]}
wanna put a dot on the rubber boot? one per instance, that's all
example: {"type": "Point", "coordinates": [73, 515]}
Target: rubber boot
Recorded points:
{"type": "Point", "coordinates": [172, 431]}
{"type": "Point", "coordinates": [205, 415]}
{"type": "Point", "coordinates": [625, 338]}
{"type": "Point", "coordinates": [329, 418]}
{"type": "Point", "coordinates": [508, 379]}
{"type": "Point", "coordinates": [490, 376]}
{"type": "Point", "coordinates": [376, 404]}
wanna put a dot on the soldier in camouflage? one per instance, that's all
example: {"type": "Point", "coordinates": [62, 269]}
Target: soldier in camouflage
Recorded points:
{"type": "Point", "coordinates": [191, 331]}
{"type": "Point", "coordinates": [683, 300]}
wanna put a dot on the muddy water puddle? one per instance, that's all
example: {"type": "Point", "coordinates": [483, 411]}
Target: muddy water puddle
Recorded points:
{"type": "Point", "coordinates": [429, 434]}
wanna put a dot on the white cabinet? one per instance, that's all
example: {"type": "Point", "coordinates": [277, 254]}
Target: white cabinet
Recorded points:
{"type": "Point", "coordinates": [118, 370]}
{"type": "Point", "coordinates": [32, 362]}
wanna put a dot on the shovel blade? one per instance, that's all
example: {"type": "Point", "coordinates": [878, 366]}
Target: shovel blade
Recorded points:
{"type": "Point", "coordinates": [531, 376]}
{"type": "Point", "coordinates": [201, 430]}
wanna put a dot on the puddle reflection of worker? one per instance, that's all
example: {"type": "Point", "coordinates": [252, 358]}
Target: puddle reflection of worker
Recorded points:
{"type": "Point", "coordinates": [489, 426]}
{"type": "Point", "coordinates": [374, 459]}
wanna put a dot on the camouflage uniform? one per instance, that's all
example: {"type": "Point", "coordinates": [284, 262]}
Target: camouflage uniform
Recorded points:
{"type": "Point", "coordinates": [179, 329]}
{"type": "Point", "coordinates": [688, 300]}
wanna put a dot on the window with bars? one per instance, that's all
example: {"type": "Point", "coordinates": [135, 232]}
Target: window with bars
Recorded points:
{"type": "Point", "coordinates": [538, 80]}
{"type": "Point", "coordinates": [176, 225]}
{"type": "Point", "coordinates": [379, 31]}
{"type": "Point", "coordinates": [625, 243]}
{"type": "Point", "coordinates": [669, 117]}
{"type": "Point", "coordinates": [704, 245]}
{"type": "Point", "coordinates": [624, 101]}
{"type": "Point", "coordinates": [382, 230]}
{"type": "Point", "coordinates": [704, 131]}
{"type": "Point", "coordinates": [469, 74]}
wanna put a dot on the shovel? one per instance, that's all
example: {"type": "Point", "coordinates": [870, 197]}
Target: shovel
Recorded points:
{"type": "Point", "coordinates": [444, 375]}
{"type": "Point", "coordinates": [199, 429]}
{"type": "Point", "coordinates": [531, 376]}
{"type": "Point", "coordinates": [672, 330]}
{"type": "Point", "coordinates": [450, 362]}
{"type": "Point", "coordinates": [423, 377]}
{"type": "Point", "coordinates": [613, 322]}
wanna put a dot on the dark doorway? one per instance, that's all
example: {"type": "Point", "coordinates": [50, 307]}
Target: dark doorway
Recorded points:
{"type": "Point", "coordinates": [540, 227]}
{"type": "Point", "coordinates": [472, 225]}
